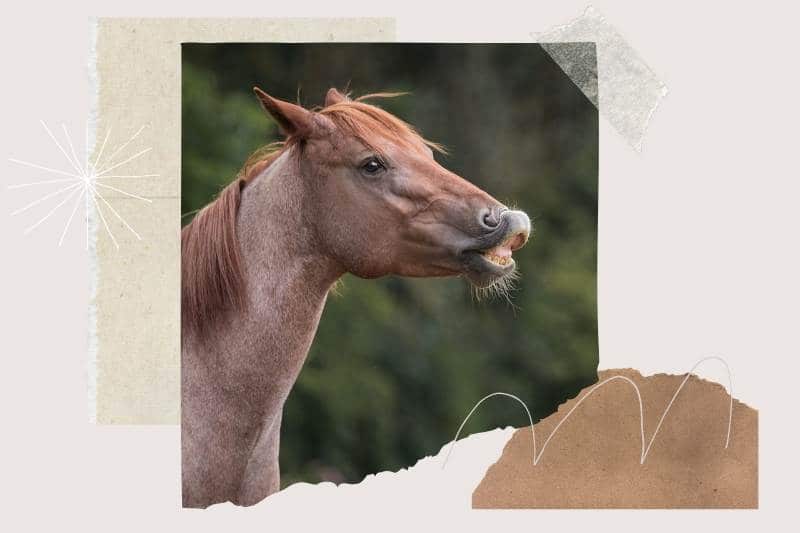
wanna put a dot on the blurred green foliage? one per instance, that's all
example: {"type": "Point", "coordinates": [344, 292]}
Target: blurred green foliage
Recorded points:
{"type": "Point", "coordinates": [397, 363]}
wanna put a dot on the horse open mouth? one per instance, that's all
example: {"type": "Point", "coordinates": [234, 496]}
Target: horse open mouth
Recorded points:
{"type": "Point", "coordinates": [489, 261]}
{"type": "Point", "coordinates": [501, 255]}
{"type": "Point", "coordinates": [487, 266]}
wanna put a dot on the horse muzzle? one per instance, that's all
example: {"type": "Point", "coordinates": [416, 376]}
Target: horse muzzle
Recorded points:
{"type": "Point", "coordinates": [489, 257]}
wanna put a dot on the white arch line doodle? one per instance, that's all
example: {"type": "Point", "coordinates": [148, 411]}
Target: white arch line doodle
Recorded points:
{"type": "Point", "coordinates": [645, 449]}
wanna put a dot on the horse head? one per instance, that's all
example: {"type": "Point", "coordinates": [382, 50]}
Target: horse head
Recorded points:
{"type": "Point", "coordinates": [380, 204]}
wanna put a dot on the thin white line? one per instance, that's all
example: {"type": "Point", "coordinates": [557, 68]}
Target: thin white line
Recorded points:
{"type": "Point", "coordinates": [74, 210]}
{"type": "Point", "coordinates": [131, 158]}
{"type": "Point", "coordinates": [100, 153]}
{"type": "Point", "coordinates": [533, 432]}
{"type": "Point", "coordinates": [605, 381]}
{"type": "Point", "coordinates": [72, 149]}
{"type": "Point", "coordinates": [103, 218]}
{"type": "Point", "coordinates": [119, 149]}
{"type": "Point", "coordinates": [123, 192]}
{"type": "Point", "coordinates": [43, 198]}
{"type": "Point", "coordinates": [21, 185]}
{"type": "Point", "coordinates": [678, 390]}
{"type": "Point", "coordinates": [50, 133]}
{"type": "Point", "coordinates": [115, 212]}
{"type": "Point", "coordinates": [40, 167]}
{"type": "Point", "coordinates": [51, 212]}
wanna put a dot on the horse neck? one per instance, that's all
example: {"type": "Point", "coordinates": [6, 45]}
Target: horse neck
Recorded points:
{"type": "Point", "coordinates": [287, 280]}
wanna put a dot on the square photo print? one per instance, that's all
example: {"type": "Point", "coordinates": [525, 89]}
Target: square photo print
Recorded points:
{"type": "Point", "coordinates": [375, 237]}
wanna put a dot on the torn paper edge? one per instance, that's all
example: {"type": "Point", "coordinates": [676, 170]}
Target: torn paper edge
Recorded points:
{"type": "Point", "coordinates": [424, 486]}
{"type": "Point", "coordinates": [94, 274]}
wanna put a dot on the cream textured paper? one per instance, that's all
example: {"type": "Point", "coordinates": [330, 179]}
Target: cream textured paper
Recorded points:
{"type": "Point", "coordinates": [134, 367]}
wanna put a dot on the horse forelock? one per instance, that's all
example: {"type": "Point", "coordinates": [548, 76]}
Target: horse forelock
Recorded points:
{"type": "Point", "coordinates": [367, 122]}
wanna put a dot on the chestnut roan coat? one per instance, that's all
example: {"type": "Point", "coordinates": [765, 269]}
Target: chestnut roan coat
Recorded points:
{"type": "Point", "coordinates": [352, 189]}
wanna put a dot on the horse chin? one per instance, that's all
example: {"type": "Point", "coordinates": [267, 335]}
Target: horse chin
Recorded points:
{"type": "Point", "coordinates": [490, 264]}
{"type": "Point", "coordinates": [483, 271]}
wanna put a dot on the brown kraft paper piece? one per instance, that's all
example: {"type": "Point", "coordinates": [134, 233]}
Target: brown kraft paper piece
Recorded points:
{"type": "Point", "coordinates": [593, 461]}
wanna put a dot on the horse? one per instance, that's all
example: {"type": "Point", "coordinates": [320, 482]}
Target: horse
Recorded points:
{"type": "Point", "coordinates": [351, 189]}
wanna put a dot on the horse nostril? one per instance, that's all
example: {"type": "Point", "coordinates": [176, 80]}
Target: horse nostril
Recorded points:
{"type": "Point", "coordinates": [489, 218]}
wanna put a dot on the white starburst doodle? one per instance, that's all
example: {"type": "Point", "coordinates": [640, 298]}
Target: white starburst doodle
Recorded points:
{"type": "Point", "coordinates": [83, 183]}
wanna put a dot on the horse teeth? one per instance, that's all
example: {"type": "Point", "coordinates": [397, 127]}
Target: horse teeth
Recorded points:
{"type": "Point", "coordinates": [497, 260]}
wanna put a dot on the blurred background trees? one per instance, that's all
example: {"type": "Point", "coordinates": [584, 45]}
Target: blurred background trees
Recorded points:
{"type": "Point", "coordinates": [397, 363]}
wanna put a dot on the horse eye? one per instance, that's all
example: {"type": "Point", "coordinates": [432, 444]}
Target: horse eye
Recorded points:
{"type": "Point", "coordinates": [372, 166]}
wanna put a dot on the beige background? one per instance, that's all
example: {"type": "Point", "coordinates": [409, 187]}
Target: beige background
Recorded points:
{"type": "Point", "coordinates": [695, 258]}
{"type": "Point", "coordinates": [137, 357]}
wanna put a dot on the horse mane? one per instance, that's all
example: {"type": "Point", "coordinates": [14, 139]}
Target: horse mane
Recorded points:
{"type": "Point", "coordinates": [212, 281]}
{"type": "Point", "coordinates": [366, 121]}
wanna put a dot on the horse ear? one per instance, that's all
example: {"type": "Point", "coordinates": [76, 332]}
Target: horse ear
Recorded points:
{"type": "Point", "coordinates": [334, 97]}
{"type": "Point", "coordinates": [293, 120]}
